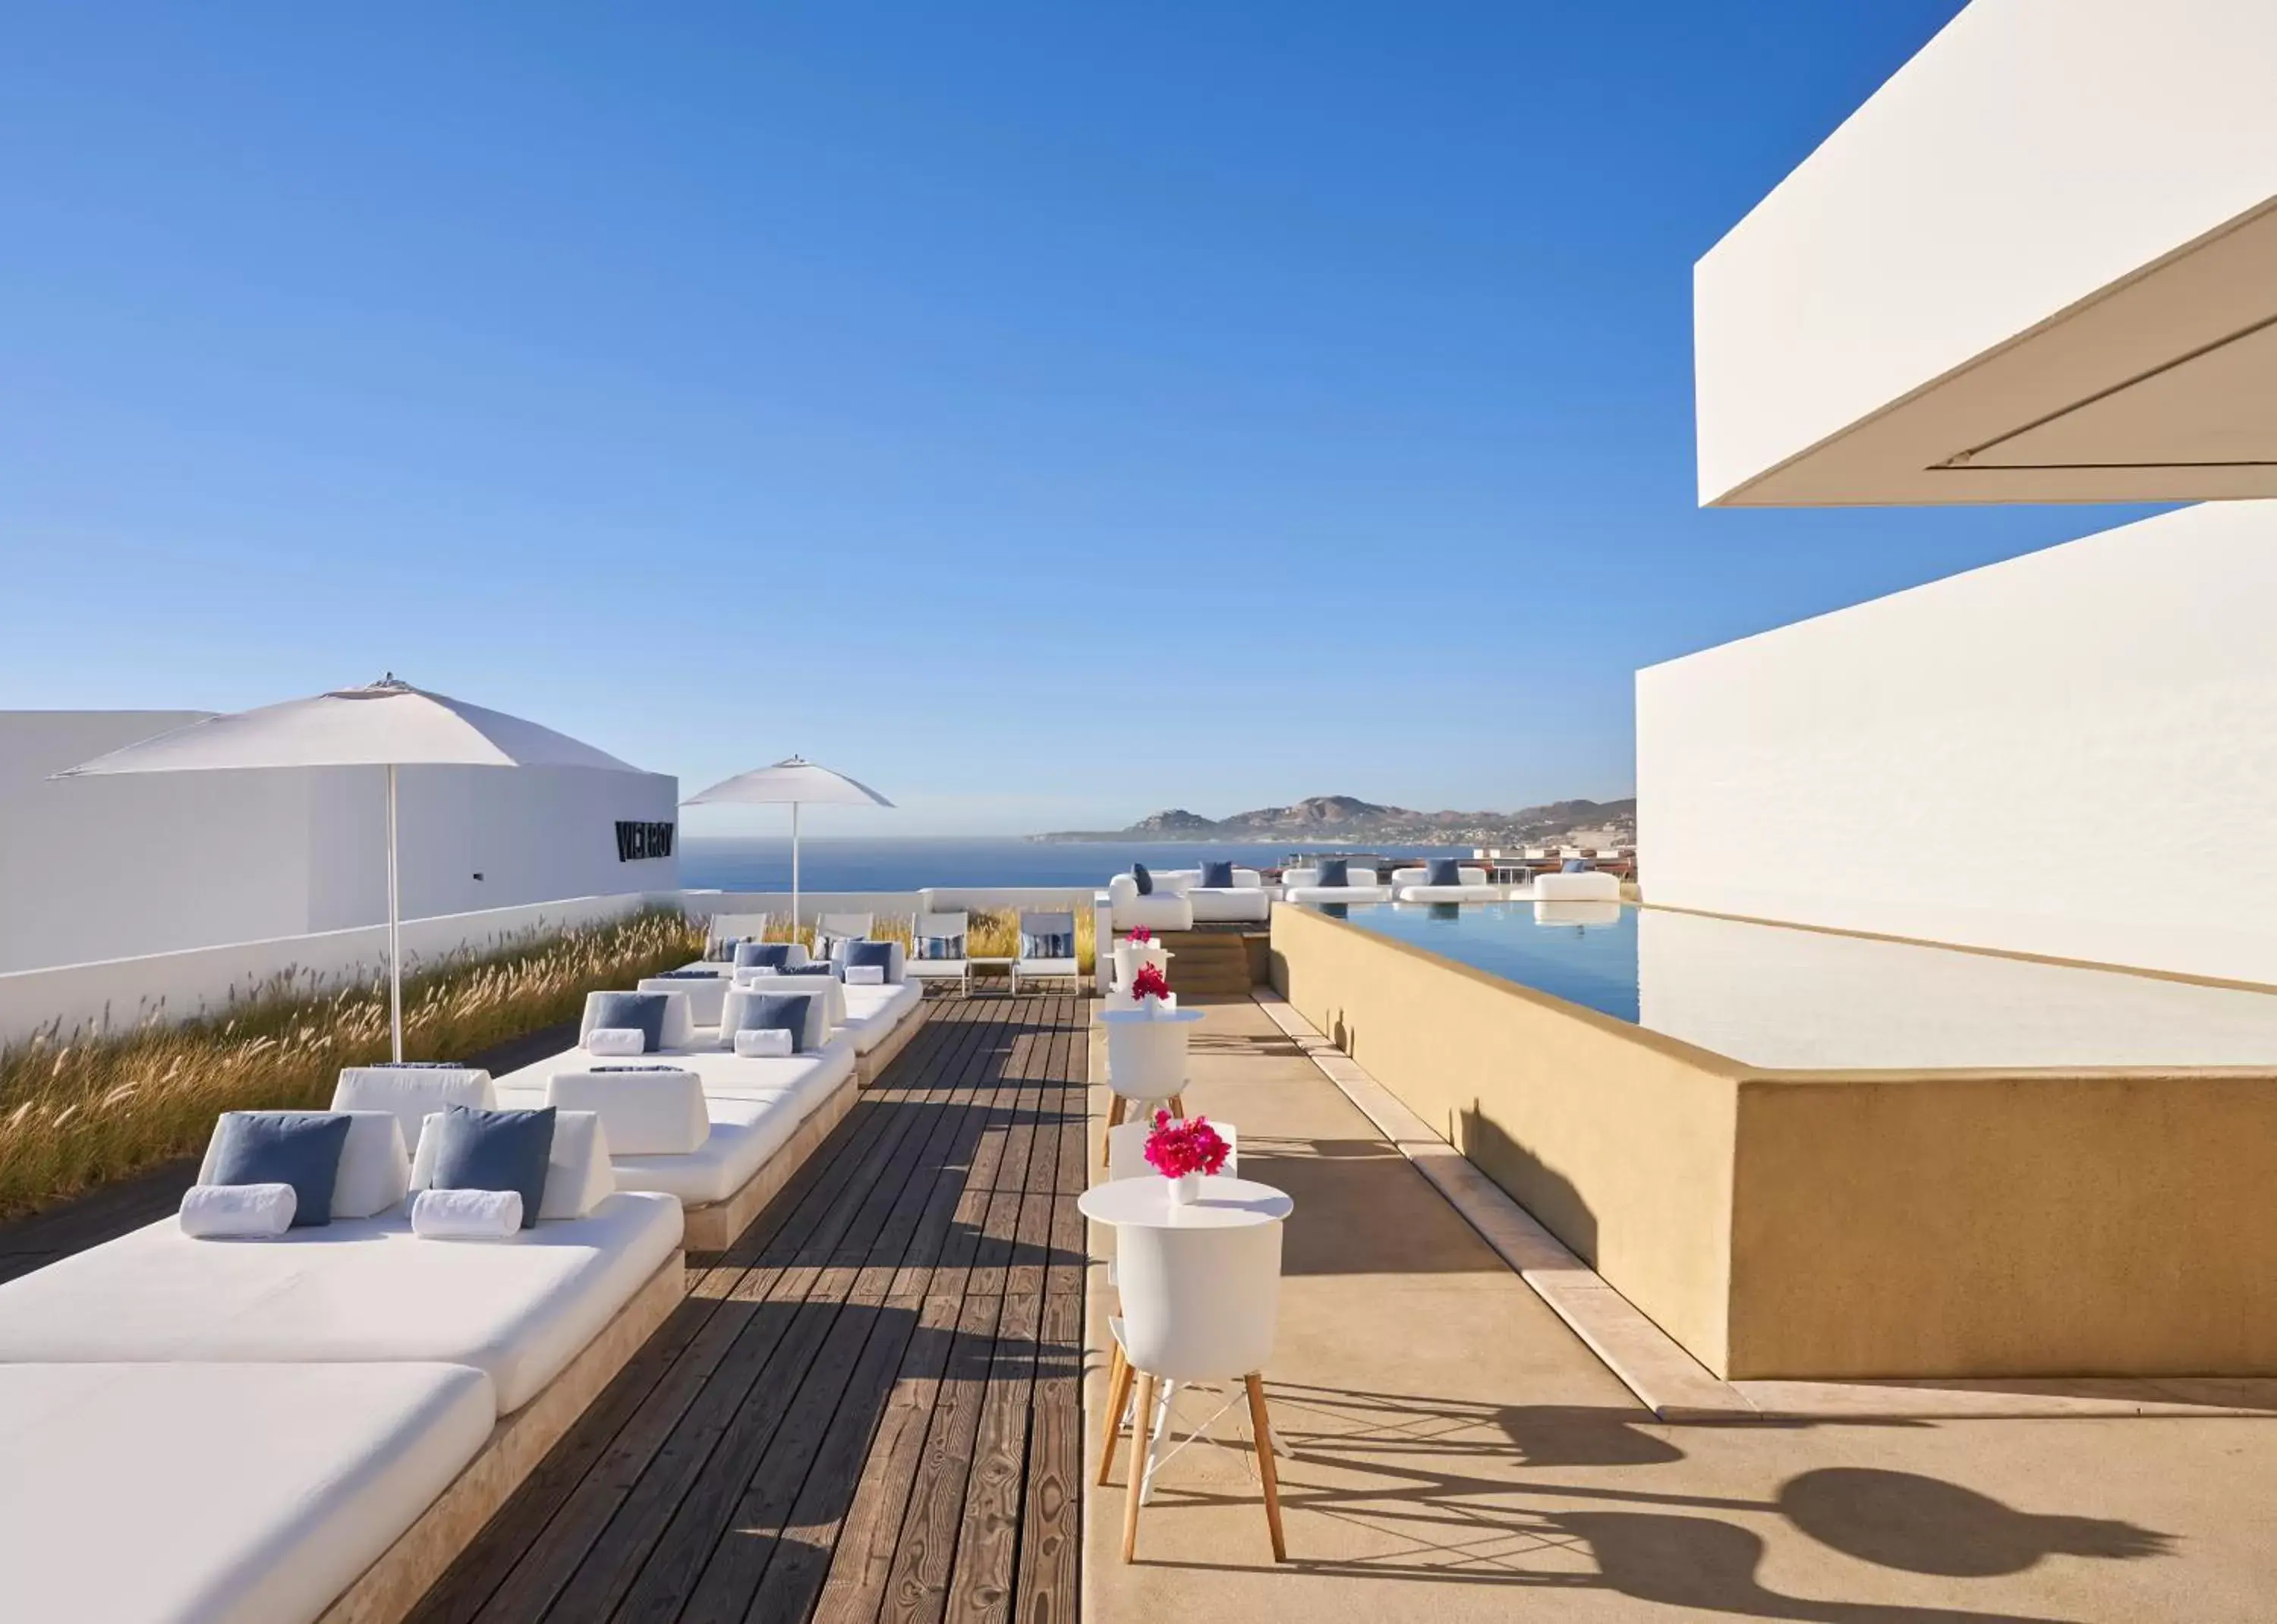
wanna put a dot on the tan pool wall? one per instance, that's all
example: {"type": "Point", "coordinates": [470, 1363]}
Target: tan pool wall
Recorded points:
{"type": "Point", "coordinates": [2016, 1225]}
{"type": "Point", "coordinates": [1838, 1226]}
{"type": "Point", "coordinates": [1623, 1149]}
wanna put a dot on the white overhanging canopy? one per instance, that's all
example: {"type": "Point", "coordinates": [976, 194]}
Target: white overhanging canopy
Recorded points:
{"type": "Point", "coordinates": [794, 781]}
{"type": "Point", "coordinates": [389, 723]}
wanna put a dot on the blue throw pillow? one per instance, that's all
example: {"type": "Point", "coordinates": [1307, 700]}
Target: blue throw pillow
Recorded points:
{"type": "Point", "coordinates": [1217, 877]}
{"type": "Point", "coordinates": [940, 947]}
{"type": "Point", "coordinates": [299, 1148]}
{"type": "Point", "coordinates": [1142, 879]}
{"type": "Point", "coordinates": [1574, 865]}
{"type": "Point", "coordinates": [772, 955]}
{"type": "Point", "coordinates": [1334, 871]}
{"type": "Point", "coordinates": [482, 1149]}
{"type": "Point", "coordinates": [879, 954]}
{"type": "Point", "coordinates": [723, 952]}
{"type": "Point", "coordinates": [641, 1010]}
{"type": "Point", "coordinates": [786, 1012]}
{"type": "Point", "coordinates": [686, 975]}
{"type": "Point", "coordinates": [1048, 944]}
{"type": "Point", "coordinates": [1445, 871]}
{"type": "Point", "coordinates": [807, 969]}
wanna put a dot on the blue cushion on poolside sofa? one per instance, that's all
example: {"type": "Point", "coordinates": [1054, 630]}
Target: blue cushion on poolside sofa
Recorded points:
{"type": "Point", "coordinates": [641, 1010]}
{"type": "Point", "coordinates": [772, 955]}
{"type": "Point", "coordinates": [299, 1148]}
{"type": "Point", "coordinates": [783, 1011]}
{"type": "Point", "coordinates": [1445, 871]}
{"type": "Point", "coordinates": [1142, 879]}
{"type": "Point", "coordinates": [1217, 877]}
{"type": "Point", "coordinates": [829, 969]}
{"type": "Point", "coordinates": [1334, 871]}
{"type": "Point", "coordinates": [479, 1150]}
{"type": "Point", "coordinates": [879, 954]}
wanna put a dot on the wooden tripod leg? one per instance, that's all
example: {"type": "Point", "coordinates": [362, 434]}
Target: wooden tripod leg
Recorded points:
{"type": "Point", "coordinates": [1115, 1108]}
{"type": "Point", "coordinates": [1118, 1394]}
{"type": "Point", "coordinates": [1260, 1427]}
{"type": "Point", "coordinates": [1142, 1424]}
{"type": "Point", "coordinates": [1178, 1106]}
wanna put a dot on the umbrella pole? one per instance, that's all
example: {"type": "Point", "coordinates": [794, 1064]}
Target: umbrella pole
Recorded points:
{"type": "Point", "coordinates": [394, 931]}
{"type": "Point", "coordinates": [793, 870]}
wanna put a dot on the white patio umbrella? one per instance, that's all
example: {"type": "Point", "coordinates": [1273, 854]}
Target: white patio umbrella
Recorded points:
{"type": "Point", "coordinates": [390, 725]}
{"type": "Point", "coordinates": [797, 781]}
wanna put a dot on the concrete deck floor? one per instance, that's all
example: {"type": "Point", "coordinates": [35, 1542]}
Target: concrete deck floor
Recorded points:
{"type": "Point", "coordinates": [1460, 1455]}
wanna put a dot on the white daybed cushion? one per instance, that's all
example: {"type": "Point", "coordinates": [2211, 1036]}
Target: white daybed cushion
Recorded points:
{"type": "Point", "coordinates": [873, 1013]}
{"type": "Point", "coordinates": [823, 1015]}
{"type": "Point", "coordinates": [411, 1092]}
{"type": "Point", "coordinates": [357, 1291]}
{"type": "Point", "coordinates": [654, 1110]}
{"type": "Point", "coordinates": [1594, 885]}
{"type": "Point", "coordinates": [678, 1023]}
{"type": "Point", "coordinates": [704, 994]}
{"type": "Point", "coordinates": [218, 1494]}
{"type": "Point", "coordinates": [576, 1169]}
{"type": "Point", "coordinates": [754, 1106]}
{"type": "Point", "coordinates": [1446, 893]}
{"type": "Point", "coordinates": [375, 1171]}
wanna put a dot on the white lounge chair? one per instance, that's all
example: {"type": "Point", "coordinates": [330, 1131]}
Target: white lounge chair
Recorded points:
{"type": "Point", "coordinates": [1039, 962]}
{"type": "Point", "coordinates": [735, 927]}
{"type": "Point", "coordinates": [1304, 885]}
{"type": "Point", "coordinates": [832, 929]}
{"type": "Point", "coordinates": [1415, 886]}
{"type": "Point", "coordinates": [951, 962]}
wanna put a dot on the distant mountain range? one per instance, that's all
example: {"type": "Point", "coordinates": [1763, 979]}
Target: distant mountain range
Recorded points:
{"type": "Point", "coordinates": [1348, 820]}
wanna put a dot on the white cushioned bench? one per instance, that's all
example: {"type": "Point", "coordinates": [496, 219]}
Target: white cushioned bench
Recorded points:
{"type": "Point", "coordinates": [766, 1116]}
{"type": "Point", "coordinates": [354, 1291]}
{"type": "Point", "coordinates": [219, 1493]}
{"type": "Point", "coordinates": [1415, 886]}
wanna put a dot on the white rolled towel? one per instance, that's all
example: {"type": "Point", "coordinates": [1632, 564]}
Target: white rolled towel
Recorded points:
{"type": "Point", "coordinates": [616, 1041]}
{"type": "Point", "coordinates": [765, 1042]}
{"type": "Point", "coordinates": [237, 1212]}
{"type": "Point", "coordinates": [466, 1215]}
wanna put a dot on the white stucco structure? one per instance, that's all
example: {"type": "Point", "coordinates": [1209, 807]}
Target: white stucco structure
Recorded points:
{"type": "Point", "coordinates": [2071, 754]}
{"type": "Point", "coordinates": [2039, 264]}
{"type": "Point", "coordinates": [100, 868]}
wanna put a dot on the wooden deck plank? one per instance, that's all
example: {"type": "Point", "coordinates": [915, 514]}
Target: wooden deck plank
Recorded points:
{"type": "Point", "coordinates": [724, 1300]}
{"type": "Point", "coordinates": [539, 1538]}
{"type": "Point", "coordinates": [851, 1419]}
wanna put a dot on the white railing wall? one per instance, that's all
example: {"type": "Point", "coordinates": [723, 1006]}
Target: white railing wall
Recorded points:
{"type": "Point", "coordinates": [121, 993]}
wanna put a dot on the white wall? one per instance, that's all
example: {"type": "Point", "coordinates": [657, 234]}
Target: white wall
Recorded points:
{"type": "Point", "coordinates": [102, 868]}
{"type": "Point", "coordinates": [2071, 754]}
{"type": "Point", "coordinates": [2035, 155]}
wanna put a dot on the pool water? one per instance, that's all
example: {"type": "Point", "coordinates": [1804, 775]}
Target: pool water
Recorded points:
{"type": "Point", "coordinates": [1786, 997]}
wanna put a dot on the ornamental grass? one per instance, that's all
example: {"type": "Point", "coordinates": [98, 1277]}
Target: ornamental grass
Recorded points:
{"type": "Point", "coordinates": [79, 1109]}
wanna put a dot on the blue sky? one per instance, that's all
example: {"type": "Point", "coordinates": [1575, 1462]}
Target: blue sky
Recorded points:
{"type": "Point", "coordinates": [1047, 412]}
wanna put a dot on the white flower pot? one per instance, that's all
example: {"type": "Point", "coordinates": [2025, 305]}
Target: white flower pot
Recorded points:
{"type": "Point", "coordinates": [1185, 1189]}
{"type": "Point", "coordinates": [1147, 1058]}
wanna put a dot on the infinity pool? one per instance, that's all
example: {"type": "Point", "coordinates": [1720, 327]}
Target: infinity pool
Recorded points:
{"type": "Point", "coordinates": [1775, 996]}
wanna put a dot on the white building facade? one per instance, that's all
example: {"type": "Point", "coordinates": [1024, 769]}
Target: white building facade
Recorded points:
{"type": "Point", "coordinates": [2039, 265]}
{"type": "Point", "coordinates": [110, 867]}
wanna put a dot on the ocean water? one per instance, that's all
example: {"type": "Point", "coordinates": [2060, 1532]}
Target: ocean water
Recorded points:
{"type": "Point", "coordinates": [750, 863]}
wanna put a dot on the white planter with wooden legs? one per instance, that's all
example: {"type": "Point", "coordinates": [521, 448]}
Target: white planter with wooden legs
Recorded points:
{"type": "Point", "coordinates": [1146, 1059]}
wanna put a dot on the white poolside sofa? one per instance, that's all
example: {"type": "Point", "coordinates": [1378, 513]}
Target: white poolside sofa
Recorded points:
{"type": "Point", "coordinates": [1304, 885]}
{"type": "Point", "coordinates": [266, 1430]}
{"type": "Point", "coordinates": [1589, 886]}
{"type": "Point", "coordinates": [1180, 901]}
{"type": "Point", "coordinates": [1413, 885]}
